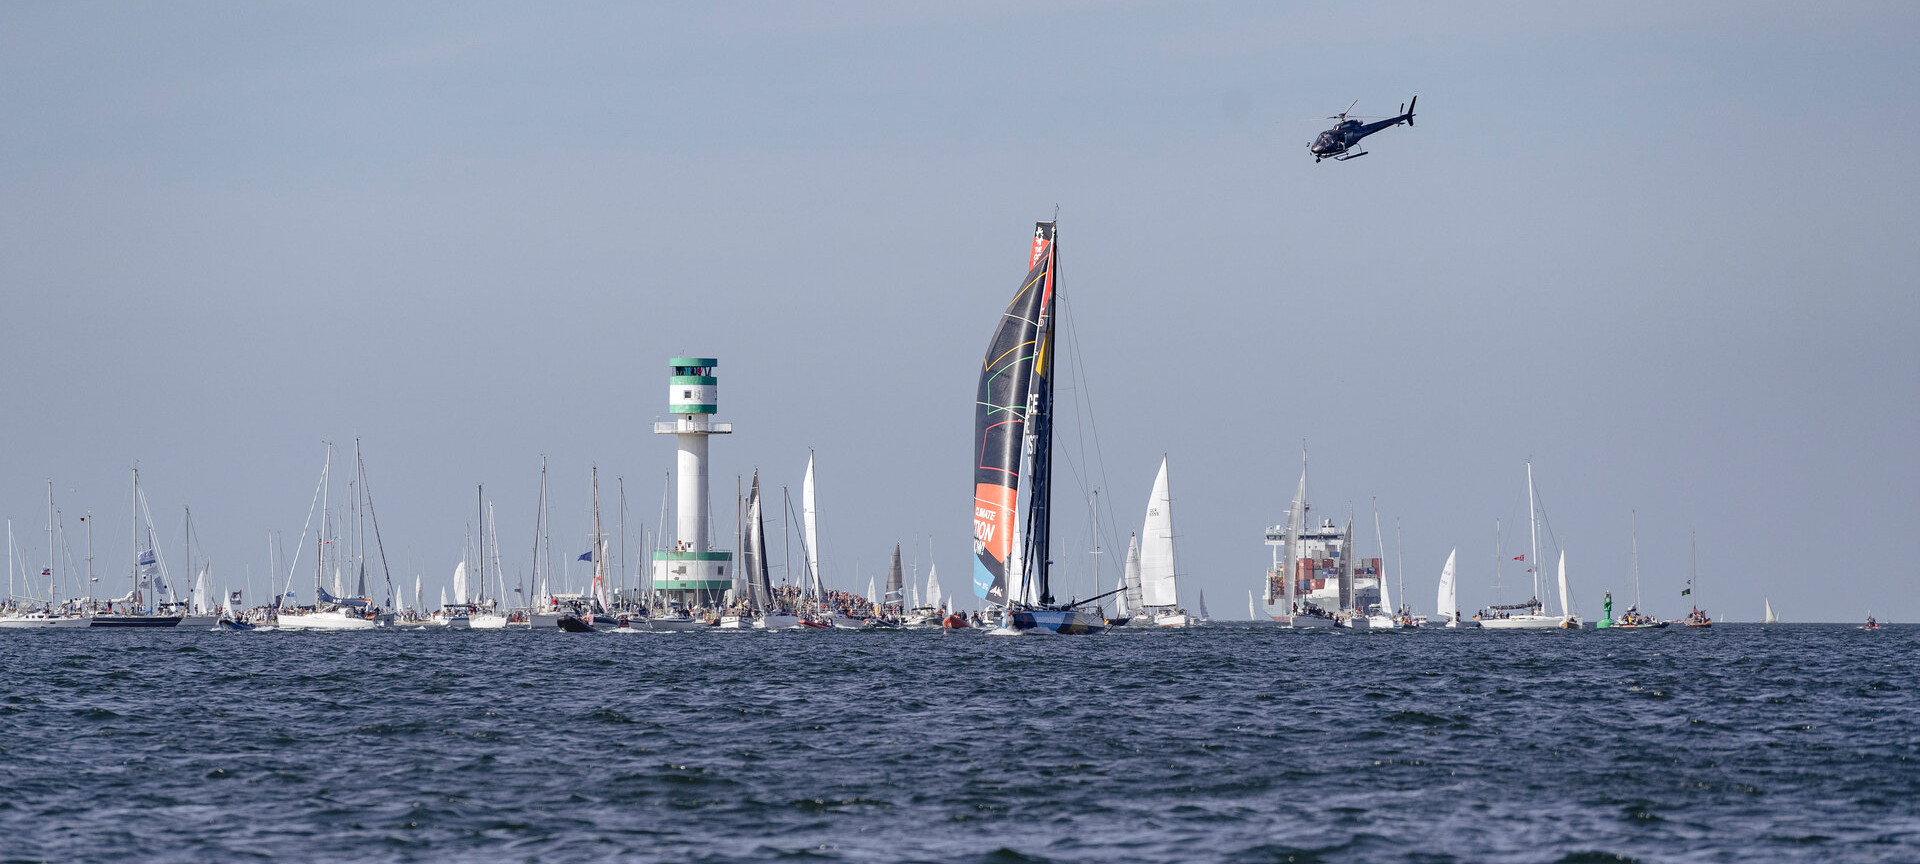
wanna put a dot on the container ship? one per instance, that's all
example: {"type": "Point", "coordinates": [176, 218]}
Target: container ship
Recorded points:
{"type": "Point", "coordinates": [1325, 575]}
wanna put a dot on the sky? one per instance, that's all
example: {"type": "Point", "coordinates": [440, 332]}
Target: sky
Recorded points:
{"type": "Point", "coordinates": [1663, 251]}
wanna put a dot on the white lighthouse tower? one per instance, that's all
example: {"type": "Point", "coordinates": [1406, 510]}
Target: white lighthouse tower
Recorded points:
{"type": "Point", "coordinates": [691, 571]}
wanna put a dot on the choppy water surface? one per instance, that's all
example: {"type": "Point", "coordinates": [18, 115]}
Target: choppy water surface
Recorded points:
{"type": "Point", "coordinates": [1227, 743]}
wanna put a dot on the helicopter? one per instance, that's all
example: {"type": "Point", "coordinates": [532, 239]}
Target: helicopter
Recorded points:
{"type": "Point", "coordinates": [1342, 142]}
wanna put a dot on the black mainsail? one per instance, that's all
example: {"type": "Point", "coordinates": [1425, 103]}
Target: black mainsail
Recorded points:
{"type": "Point", "coordinates": [1014, 392]}
{"type": "Point", "coordinates": [896, 597]}
{"type": "Point", "coordinates": [753, 552]}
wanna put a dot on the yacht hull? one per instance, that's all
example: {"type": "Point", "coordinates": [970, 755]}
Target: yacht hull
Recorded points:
{"type": "Point", "coordinates": [135, 621]}
{"type": "Point", "coordinates": [1065, 622]}
{"type": "Point", "coordinates": [325, 621]}
{"type": "Point", "coordinates": [50, 622]}
{"type": "Point", "coordinates": [1523, 622]}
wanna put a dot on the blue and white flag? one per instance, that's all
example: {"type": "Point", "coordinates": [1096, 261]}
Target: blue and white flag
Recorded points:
{"type": "Point", "coordinates": [585, 556]}
{"type": "Point", "coordinates": [147, 558]}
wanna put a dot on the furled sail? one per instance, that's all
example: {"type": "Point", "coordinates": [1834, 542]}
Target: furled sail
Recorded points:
{"type": "Point", "coordinates": [1012, 392]}
{"type": "Point", "coordinates": [1156, 546]}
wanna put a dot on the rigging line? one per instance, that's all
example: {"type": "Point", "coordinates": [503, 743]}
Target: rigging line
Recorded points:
{"type": "Point", "coordinates": [1083, 392]}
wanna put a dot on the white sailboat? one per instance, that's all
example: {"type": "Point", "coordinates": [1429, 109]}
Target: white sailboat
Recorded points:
{"type": "Point", "coordinates": [1770, 617]}
{"type": "Point", "coordinates": [1449, 601]}
{"type": "Point", "coordinates": [1159, 590]}
{"type": "Point", "coordinates": [1382, 616]}
{"type": "Point", "coordinates": [1532, 615]}
{"type": "Point", "coordinates": [53, 614]}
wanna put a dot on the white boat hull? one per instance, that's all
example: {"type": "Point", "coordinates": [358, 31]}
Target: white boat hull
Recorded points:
{"type": "Point", "coordinates": [487, 621]}
{"type": "Point", "coordinates": [43, 622]}
{"type": "Point", "coordinates": [736, 622]}
{"type": "Point", "coordinates": [1172, 620]}
{"type": "Point", "coordinates": [325, 621]}
{"type": "Point", "coordinates": [1523, 622]}
{"type": "Point", "coordinates": [676, 624]}
{"type": "Point", "coordinates": [778, 621]}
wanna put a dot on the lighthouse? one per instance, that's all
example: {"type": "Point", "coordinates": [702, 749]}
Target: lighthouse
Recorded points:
{"type": "Point", "coordinates": [690, 570]}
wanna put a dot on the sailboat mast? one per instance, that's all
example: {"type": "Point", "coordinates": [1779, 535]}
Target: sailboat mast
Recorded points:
{"type": "Point", "coordinates": [621, 482]}
{"type": "Point", "coordinates": [320, 544]}
{"type": "Point", "coordinates": [1386, 602]}
{"type": "Point", "coordinates": [1400, 564]}
{"type": "Point", "coordinates": [1634, 515]}
{"type": "Point", "coordinates": [52, 594]}
{"type": "Point", "coordinates": [135, 538]}
{"type": "Point", "coordinates": [1533, 522]}
{"type": "Point", "coordinates": [599, 553]}
{"type": "Point", "coordinates": [1039, 428]}
{"type": "Point", "coordinates": [1295, 516]}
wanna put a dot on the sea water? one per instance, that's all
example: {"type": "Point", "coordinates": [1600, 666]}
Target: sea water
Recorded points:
{"type": "Point", "coordinates": [1221, 743]}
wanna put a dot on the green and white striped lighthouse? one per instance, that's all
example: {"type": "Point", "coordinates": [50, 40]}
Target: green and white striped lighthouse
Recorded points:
{"type": "Point", "coordinates": [691, 570]}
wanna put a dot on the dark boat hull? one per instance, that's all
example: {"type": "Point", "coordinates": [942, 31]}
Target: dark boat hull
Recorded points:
{"type": "Point", "coordinates": [573, 624]}
{"type": "Point", "coordinates": [135, 621]}
{"type": "Point", "coordinates": [1066, 622]}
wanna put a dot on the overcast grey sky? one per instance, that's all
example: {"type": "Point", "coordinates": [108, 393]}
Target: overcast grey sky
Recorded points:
{"type": "Point", "coordinates": [1665, 250]}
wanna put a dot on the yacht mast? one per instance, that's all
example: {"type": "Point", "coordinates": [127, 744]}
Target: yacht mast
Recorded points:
{"type": "Point", "coordinates": [1533, 523]}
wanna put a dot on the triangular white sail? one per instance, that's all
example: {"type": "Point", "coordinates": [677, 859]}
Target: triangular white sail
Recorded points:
{"type": "Point", "coordinates": [1566, 597]}
{"type": "Point", "coordinates": [1252, 615]}
{"type": "Point", "coordinates": [203, 592]}
{"type": "Point", "coordinates": [459, 584]}
{"type": "Point", "coordinates": [807, 526]}
{"type": "Point", "coordinates": [1449, 605]}
{"type": "Point", "coordinates": [1771, 618]}
{"type": "Point", "coordinates": [1156, 546]}
{"type": "Point", "coordinates": [1120, 599]}
{"type": "Point", "coordinates": [933, 585]}
{"type": "Point", "coordinates": [1130, 598]}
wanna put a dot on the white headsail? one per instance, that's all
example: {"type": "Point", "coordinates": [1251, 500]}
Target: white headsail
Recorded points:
{"type": "Point", "coordinates": [1156, 547]}
{"type": "Point", "coordinates": [807, 523]}
{"type": "Point", "coordinates": [1566, 598]}
{"type": "Point", "coordinates": [459, 584]}
{"type": "Point", "coordinates": [1130, 598]}
{"type": "Point", "coordinates": [1449, 605]}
